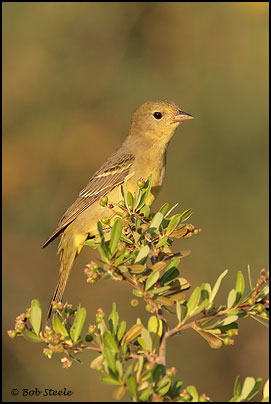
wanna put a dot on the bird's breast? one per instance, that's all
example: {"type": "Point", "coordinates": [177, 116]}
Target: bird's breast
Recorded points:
{"type": "Point", "coordinates": [150, 162]}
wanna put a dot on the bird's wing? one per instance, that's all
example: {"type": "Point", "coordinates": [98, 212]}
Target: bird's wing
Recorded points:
{"type": "Point", "coordinates": [111, 174]}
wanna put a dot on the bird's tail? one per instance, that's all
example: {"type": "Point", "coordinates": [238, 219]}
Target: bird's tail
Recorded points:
{"type": "Point", "coordinates": [65, 269]}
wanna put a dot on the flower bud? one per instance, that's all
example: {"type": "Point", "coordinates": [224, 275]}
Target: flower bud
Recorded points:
{"type": "Point", "coordinates": [134, 302]}
{"type": "Point", "coordinates": [104, 201]}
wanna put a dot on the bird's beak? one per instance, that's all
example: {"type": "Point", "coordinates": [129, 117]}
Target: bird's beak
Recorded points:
{"type": "Point", "coordinates": [182, 116]}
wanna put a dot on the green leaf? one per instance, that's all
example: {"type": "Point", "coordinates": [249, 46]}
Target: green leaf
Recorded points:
{"type": "Point", "coordinates": [119, 392]}
{"type": "Point", "coordinates": [156, 221]}
{"type": "Point", "coordinates": [153, 324]}
{"type": "Point", "coordinates": [35, 316]}
{"type": "Point", "coordinates": [115, 235]}
{"type": "Point", "coordinates": [30, 336]}
{"type": "Point", "coordinates": [131, 384]}
{"type": "Point", "coordinates": [178, 311]}
{"type": "Point", "coordinates": [264, 293]}
{"type": "Point", "coordinates": [249, 277]}
{"type": "Point", "coordinates": [255, 389]}
{"type": "Point", "coordinates": [200, 308]}
{"type": "Point", "coordinates": [138, 222]}
{"type": "Point", "coordinates": [176, 295]}
{"type": "Point", "coordinates": [59, 327]}
{"type": "Point", "coordinates": [100, 229]}
{"type": "Point", "coordinates": [145, 335]}
{"type": "Point", "coordinates": [193, 301]}
{"type": "Point", "coordinates": [169, 276]}
{"type": "Point", "coordinates": [91, 243]}
{"type": "Point", "coordinates": [103, 246]}
{"type": "Point", "coordinates": [171, 272]}
{"type": "Point", "coordinates": [163, 386]}
{"type": "Point", "coordinates": [157, 373]}
{"type": "Point", "coordinates": [237, 386]}
{"type": "Point", "coordinates": [109, 380]}
{"type": "Point", "coordinates": [171, 209]}
{"type": "Point", "coordinates": [161, 290]}
{"type": "Point", "coordinates": [158, 266]}
{"type": "Point", "coordinates": [130, 201]}
{"type": "Point", "coordinates": [78, 323]}
{"type": "Point", "coordinates": [137, 292]}
{"type": "Point", "coordinates": [121, 330]}
{"type": "Point", "coordinates": [266, 390]}
{"type": "Point", "coordinates": [162, 242]}
{"type": "Point", "coordinates": [240, 283]}
{"type": "Point", "coordinates": [141, 342]}
{"type": "Point", "coordinates": [145, 211]}
{"type": "Point", "coordinates": [186, 215]}
{"type": "Point", "coordinates": [136, 269]}
{"type": "Point", "coordinates": [193, 392]}
{"type": "Point", "coordinates": [97, 362]}
{"type": "Point", "coordinates": [233, 312]}
{"type": "Point", "coordinates": [174, 264]}
{"type": "Point", "coordinates": [132, 333]}
{"type": "Point", "coordinates": [174, 221]}
{"type": "Point", "coordinates": [212, 339]}
{"type": "Point", "coordinates": [109, 342]}
{"type": "Point", "coordinates": [126, 239]}
{"type": "Point", "coordinates": [137, 197]}
{"type": "Point", "coordinates": [250, 388]}
{"type": "Point", "coordinates": [119, 368]}
{"type": "Point", "coordinates": [226, 321]}
{"type": "Point", "coordinates": [217, 286]}
{"type": "Point", "coordinates": [145, 191]}
{"type": "Point", "coordinates": [145, 394]}
{"type": "Point", "coordinates": [165, 301]}
{"type": "Point", "coordinates": [128, 371]}
{"type": "Point", "coordinates": [123, 268]}
{"type": "Point", "coordinates": [152, 279]}
{"type": "Point", "coordinates": [184, 284]}
{"type": "Point", "coordinates": [176, 388]}
{"type": "Point", "coordinates": [110, 358]}
{"type": "Point", "coordinates": [139, 365]}
{"type": "Point", "coordinates": [164, 208]}
{"type": "Point", "coordinates": [113, 319]}
{"type": "Point", "coordinates": [126, 189]}
{"type": "Point", "coordinates": [239, 286]}
{"type": "Point", "coordinates": [205, 291]}
{"type": "Point", "coordinates": [231, 298]}
{"type": "Point", "coordinates": [142, 256]}
{"type": "Point", "coordinates": [103, 252]}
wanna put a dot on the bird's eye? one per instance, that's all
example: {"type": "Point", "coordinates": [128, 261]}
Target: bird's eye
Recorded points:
{"type": "Point", "coordinates": [157, 115]}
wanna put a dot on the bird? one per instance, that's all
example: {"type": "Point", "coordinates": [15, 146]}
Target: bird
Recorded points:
{"type": "Point", "coordinates": [143, 153]}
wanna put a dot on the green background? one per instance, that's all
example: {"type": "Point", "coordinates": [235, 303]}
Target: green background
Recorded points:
{"type": "Point", "coordinates": [73, 73]}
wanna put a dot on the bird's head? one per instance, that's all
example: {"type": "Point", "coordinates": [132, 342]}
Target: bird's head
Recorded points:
{"type": "Point", "coordinates": [157, 120]}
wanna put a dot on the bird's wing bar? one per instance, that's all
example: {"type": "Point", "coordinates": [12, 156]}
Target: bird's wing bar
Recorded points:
{"type": "Point", "coordinates": [111, 174]}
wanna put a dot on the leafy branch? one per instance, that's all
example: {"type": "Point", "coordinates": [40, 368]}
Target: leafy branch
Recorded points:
{"type": "Point", "coordinates": [135, 246]}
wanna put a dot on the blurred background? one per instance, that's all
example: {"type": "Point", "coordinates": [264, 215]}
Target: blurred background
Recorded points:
{"type": "Point", "coordinates": [73, 73]}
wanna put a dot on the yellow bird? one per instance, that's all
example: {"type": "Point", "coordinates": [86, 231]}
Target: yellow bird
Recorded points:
{"type": "Point", "coordinates": [144, 153]}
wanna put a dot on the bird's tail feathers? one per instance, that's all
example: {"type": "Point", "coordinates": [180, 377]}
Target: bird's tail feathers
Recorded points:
{"type": "Point", "coordinates": [65, 269]}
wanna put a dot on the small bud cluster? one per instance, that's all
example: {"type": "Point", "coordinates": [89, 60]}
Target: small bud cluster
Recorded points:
{"type": "Point", "coordinates": [92, 272]}
{"type": "Point", "coordinates": [192, 230]}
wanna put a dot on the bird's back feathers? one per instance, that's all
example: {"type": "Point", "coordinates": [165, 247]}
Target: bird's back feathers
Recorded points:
{"type": "Point", "coordinates": [110, 175]}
